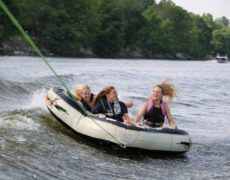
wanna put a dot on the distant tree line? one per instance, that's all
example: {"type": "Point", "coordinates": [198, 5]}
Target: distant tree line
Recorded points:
{"type": "Point", "coordinates": [118, 28]}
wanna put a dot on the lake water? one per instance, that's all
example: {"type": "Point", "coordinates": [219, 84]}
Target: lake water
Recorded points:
{"type": "Point", "coordinates": [33, 145]}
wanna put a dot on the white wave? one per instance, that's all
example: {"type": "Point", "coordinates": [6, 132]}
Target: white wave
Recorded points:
{"type": "Point", "coordinates": [38, 99]}
{"type": "Point", "coordinates": [2, 144]}
{"type": "Point", "coordinates": [18, 122]}
{"type": "Point", "coordinates": [21, 139]}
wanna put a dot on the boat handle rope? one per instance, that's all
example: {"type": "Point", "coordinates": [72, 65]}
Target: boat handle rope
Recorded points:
{"type": "Point", "coordinates": [122, 145]}
{"type": "Point", "coordinates": [39, 53]}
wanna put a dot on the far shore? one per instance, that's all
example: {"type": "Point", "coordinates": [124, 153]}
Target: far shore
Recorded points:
{"type": "Point", "coordinates": [17, 47]}
{"type": "Point", "coordinates": [98, 58]}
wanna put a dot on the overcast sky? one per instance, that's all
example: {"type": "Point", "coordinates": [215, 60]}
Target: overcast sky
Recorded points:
{"type": "Point", "coordinates": [217, 8]}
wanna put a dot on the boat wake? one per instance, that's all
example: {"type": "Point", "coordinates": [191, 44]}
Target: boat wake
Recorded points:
{"type": "Point", "coordinates": [23, 119]}
{"type": "Point", "coordinates": [28, 86]}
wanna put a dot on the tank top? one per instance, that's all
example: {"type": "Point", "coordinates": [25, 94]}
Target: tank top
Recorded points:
{"type": "Point", "coordinates": [154, 116]}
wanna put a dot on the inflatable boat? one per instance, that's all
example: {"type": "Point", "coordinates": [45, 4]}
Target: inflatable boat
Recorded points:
{"type": "Point", "coordinates": [72, 113]}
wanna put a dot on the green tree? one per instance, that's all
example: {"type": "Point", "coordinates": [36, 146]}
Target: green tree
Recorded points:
{"type": "Point", "coordinates": [6, 28]}
{"type": "Point", "coordinates": [1, 29]}
{"type": "Point", "coordinates": [69, 26]}
{"type": "Point", "coordinates": [222, 22]}
{"type": "Point", "coordinates": [201, 35]}
{"type": "Point", "coordinates": [181, 23]}
{"type": "Point", "coordinates": [110, 36]}
{"type": "Point", "coordinates": [115, 28]}
{"type": "Point", "coordinates": [146, 3]}
{"type": "Point", "coordinates": [133, 21]}
{"type": "Point", "coordinates": [62, 27]}
{"type": "Point", "coordinates": [208, 19]}
{"type": "Point", "coordinates": [155, 35]}
{"type": "Point", "coordinates": [221, 40]}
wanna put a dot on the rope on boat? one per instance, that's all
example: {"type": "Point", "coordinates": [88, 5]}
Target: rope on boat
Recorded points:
{"type": "Point", "coordinates": [39, 53]}
{"type": "Point", "coordinates": [122, 145]}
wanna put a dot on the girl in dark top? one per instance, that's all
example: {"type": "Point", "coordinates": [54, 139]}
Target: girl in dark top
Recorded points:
{"type": "Point", "coordinates": [155, 109]}
{"type": "Point", "coordinates": [107, 103]}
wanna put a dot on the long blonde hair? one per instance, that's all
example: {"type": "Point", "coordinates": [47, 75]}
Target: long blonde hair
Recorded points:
{"type": "Point", "coordinates": [102, 93]}
{"type": "Point", "coordinates": [169, 91]}
{"type": "Point", "coordinates": [79, 89]}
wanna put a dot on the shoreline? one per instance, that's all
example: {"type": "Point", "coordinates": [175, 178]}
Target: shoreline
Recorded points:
{"type": "Point", "coordinates": [17, 47]}
{"type": "Point", "coordinates": [98, 58]}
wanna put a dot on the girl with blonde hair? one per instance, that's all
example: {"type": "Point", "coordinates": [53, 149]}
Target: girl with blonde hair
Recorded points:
{"type": "Point", "coordinates": [154, 110]}
{"type": "Point", "coordinates": [83, 93]}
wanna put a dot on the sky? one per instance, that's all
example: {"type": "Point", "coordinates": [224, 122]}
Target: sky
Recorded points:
{"type": "Point", "coordinates": [217, 8]}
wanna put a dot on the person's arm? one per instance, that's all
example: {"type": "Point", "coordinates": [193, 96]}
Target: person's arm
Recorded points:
{"type": "Point", "coordinates": [128, 103]}
{"type": "Point", "coordinates": [170, 118]}
{"type": "Point", "coordinates": [124, 111]}
{"type": "Point", "coordinates": [127, 119]}
{"type": "Point", "coordinates": [141, 112]}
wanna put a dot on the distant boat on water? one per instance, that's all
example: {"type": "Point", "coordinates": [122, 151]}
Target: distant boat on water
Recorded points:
{"type": "Point", "coordinates": [222, 58]}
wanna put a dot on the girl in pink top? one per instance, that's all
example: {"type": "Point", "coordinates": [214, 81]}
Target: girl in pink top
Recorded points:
{"type": "Point", "coordinates": [154, 110]}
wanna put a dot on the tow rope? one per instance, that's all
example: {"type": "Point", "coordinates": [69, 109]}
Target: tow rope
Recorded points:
{"type": "Point", "coordinates": [39, 53]}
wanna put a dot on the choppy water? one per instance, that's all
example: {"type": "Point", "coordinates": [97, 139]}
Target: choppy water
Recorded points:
{"type": "Point", "coordinates": [33, 145]}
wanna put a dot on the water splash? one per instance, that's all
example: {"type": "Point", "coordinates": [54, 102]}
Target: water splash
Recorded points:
{"type": "Point", "coordinates": [18, 121]}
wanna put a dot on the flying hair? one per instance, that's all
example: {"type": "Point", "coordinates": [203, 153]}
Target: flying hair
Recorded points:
{"type": "Point", "coordinates": [102, 93]}
{"type": "Point", "coordinates": [169, 91]}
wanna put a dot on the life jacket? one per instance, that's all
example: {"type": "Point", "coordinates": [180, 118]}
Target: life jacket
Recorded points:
{"type": "Point", "coordinates": [112, 110]}
{"type": "Point", "coordinates": [151, 104]}
{"type": "Point", "coordinates": [154, 117]}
